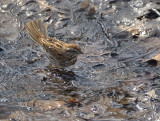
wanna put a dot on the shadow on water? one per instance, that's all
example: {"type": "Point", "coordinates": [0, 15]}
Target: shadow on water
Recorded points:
{"type": "Point", "coordinates": [108, 82]}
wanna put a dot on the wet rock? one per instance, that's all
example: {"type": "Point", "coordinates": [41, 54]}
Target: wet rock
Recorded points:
{"type": "Point", "coordinates": [151, 14]}
{"type": "Point", "coordinates": [103, 79]}
{"type": "Point", "coordinates": [45, 105]}
{"type": "Point", "coordinates": [19, 115]}
{"type": "Point", "coordinates": [99, 66]}
{"type": "Point", "coordinates": [114, 55]}
{"type": "Point", "coordinates": [1, 49]}
{"type": "Point", "coordinates": [157, 92]}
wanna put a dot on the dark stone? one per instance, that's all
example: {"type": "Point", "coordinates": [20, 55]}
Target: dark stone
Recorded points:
{"type": "Point", "coordinates": [1, 49]}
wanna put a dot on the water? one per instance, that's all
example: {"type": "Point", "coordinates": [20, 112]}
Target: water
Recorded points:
{"type": "Point", "coordinates": [108, 82]}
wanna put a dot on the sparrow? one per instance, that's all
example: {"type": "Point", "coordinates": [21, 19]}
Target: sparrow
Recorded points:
{"type": "Point", "coordinates": [61, 54]}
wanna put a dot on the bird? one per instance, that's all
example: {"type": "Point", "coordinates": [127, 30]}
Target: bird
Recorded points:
{"type": "Point", "coordinates": [60, 54]}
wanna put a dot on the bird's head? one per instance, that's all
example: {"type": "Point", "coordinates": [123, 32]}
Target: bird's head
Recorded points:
{"type": "Point", "coordinates": [73, 50]}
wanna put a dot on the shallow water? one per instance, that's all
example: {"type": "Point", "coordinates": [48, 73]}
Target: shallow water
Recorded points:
{"type": "Point", "coordinates": [108, 82]}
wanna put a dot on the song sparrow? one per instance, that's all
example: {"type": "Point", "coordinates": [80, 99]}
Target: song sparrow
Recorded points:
{"type": "Point", "coordinates": [59, 53]}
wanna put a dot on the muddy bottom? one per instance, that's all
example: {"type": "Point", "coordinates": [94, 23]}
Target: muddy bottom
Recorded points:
{"type": "Point", "coordinates": [111, 81]}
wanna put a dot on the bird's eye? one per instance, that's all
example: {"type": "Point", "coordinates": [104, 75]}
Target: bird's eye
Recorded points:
{"type": "Point", "coordinates": [72, 50]}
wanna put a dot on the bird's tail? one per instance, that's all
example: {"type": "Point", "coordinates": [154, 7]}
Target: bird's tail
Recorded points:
{"type": "Point", "coordinates": [35, 30]}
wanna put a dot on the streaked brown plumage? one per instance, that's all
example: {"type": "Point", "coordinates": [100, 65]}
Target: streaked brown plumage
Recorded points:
{"type": "Point", "coordinates": [59, 53]}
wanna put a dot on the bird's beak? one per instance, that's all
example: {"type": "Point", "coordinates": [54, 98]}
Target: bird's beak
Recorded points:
{"type": "Point", "coordinates": [80, 52]}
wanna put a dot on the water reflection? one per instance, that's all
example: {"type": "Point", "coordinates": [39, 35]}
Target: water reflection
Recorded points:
{"type": "Point", "coordinates": [105, 86]}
